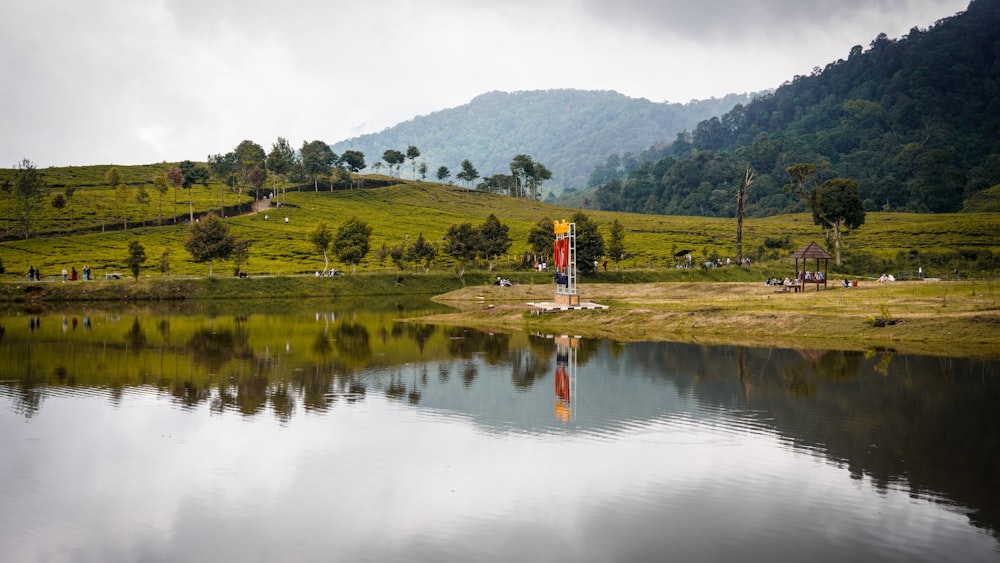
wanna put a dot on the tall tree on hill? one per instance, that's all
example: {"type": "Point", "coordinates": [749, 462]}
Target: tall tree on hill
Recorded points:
{"type": "Point", "coordinates": [162, 187]}
{"type": "Point", "coordinates": [468, 173]}
{"type": "Point", "coordinates": [192, 174]}
{"type": "Point", "coordinates": [224, 167]}
{"type": "Point", "coordinates": [176, 179]}
{"type": "Point", "coordinates": [252, 166]}
{"type": "Point", "coordinates": [392, 158]}
{"type": "Point", "coordinates": [443, 173]}
{"type": "Point", "coordinates": [412, 153]}
{"type": "Point", "coordinates": [529, 176]}
{"type": "Point", "coordinates": [209, 240]}
{"type": "Point", "coordinates": [317, 159]}
{"type": "Point", "coordinates": [282, 161]}
{"type": "Point", "coordinates": [837, 204]}
{"type": "Point", "coordinates": [29, 191]}
{"type": "Point", "coordinates": [354, 161]}
{"type": "Point", "coordinates": [123, 194]}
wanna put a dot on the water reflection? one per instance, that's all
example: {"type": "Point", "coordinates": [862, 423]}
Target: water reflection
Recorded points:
{"type": "Point", "coordinates": [925, 426]}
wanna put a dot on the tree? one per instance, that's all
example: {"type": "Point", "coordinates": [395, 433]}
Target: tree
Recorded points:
{"type": "Point", "coordinates": [742, 195]}
{"type": "Point", "coordinates": [589, 243]}
{"type": "Point", "coordinates": [176, 179]}
{"type": "Point", "coordinates": [241, 255]}
{"type": "Point", "coordinates": [113, 177]}
{"type": "Point", "coordinates": [28, 191]}
{"type": "Point", "coordinates": [164, 262]}
{"type": "Point", "coordinates": [192, 174]}
{"type": "Point", "coordinates": [317, 159]}
{"type": "Point", "coordinates": [392, 158]}
{"type": "Point", "coordinates": [423, 251]}
{"type": "Point", "coordinates": [162, 187]}
{"type": "Point", "coordinates": [123, 193]}
{"type": "Point", "coordinates": [616, 242]}
{"type": "Point", "coordinates": [352, 241]}
{"type": "Point", "coordinates": [443, 173]}
{"type": "Point", "coordinates": [320, 237]}
{"type": "Point", "coordinates": [837, 204]}
{"type": "Point", "coordinates": [468, 173]}
{"type": "Point", "coordinates": [412, 153]}
{"type": "Point", "coordinates": [209, 240]}
{"type": "Point", "coordinates": [142, 198]}
{"type": "Point", "coordinates": [224, 167]}
{"type": "Point", "coordinates": [282, 161]}
{"type": "Point", "coordinates": [59, 201]}
{"type": "Point", "coordinates": [542, 238]}
{"type": "Point", "coordinates": [528, 177]}
{"type": "Point", "coordinates": [462, 243]}
{"type": "Point", "coordinates": [422, 170]}
{"type": "Point", "coordinates": [136, 257]}
{"type": "Point", "coordinates": [493, 238]}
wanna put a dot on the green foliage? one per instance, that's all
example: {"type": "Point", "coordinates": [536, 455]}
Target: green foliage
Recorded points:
{"type": "Point", "coordinates": [422, 251]}
{"type": "Point", "coordinates": [915, 139]}
{"type": "Point", "coordinates": [616, 241]}
{"type": "Point", "coordinates": [569, 130]}
{"type": "Point", "coordinates": [462, 242]}
{"type": "Point", "coordinates": [494, 239]}
{"type": "Point", "coordinates": [136, 258]}
{"type": "Point", "coordinates": [320, 237]}
{"type": "Point", "coordinates": [28, 191]}
{"type": "Point", "coordinates": [542, 237]}
{"type": "Point", "coordinates": [589, 243]}
{"type": "Point", "coordinates": [353, 241]}
{"type": "Point", "coordinates": [209, 240]}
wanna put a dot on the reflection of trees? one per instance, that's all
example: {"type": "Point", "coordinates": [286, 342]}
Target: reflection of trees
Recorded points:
{"type": "Point", "coordinates": [526, 368]}
{"type": "Point", "coordinates": [420, 333]}
{"type": "Point", "coordinates": [352, 342]}
{"type": "Point", "coordinates": [469, 373]}
{"type": "Point", "coordinates": [135, 338]}
{"type": "Point", "coordinates": [212, 349]}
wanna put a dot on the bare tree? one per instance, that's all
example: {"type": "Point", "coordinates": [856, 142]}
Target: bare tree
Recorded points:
{"type": "Point", "coordinates": [742, 195]}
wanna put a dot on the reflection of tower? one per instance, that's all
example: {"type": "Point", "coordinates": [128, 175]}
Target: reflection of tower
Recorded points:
{"type": "Point", "coordinates": [565, 376]}
{"type": "Point", "coordinates": [564, 257]}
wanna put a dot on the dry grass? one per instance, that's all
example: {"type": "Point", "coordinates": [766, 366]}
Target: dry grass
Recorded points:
{"type": "Point", "coordinates": [945, 318]}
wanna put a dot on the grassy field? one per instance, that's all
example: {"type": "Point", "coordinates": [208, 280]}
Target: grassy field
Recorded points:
{"type": "Point", "coordinates": [940, 318]}
{"type": "Point", "coordinates": [73, 236]}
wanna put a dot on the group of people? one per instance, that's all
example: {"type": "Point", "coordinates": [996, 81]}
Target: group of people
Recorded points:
{"type": "Point", "coordinates": [811, 276]}
{"type": "Point", "coordinates": [778, 281]}
{"type": "Point", "coordinates": [502, 282]}
{"type": "Point", "coordinates": [35, 274]}
{"type": "Point", "coordinates": [886, 278]}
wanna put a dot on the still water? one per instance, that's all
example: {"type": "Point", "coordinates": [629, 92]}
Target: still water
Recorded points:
{"type": "Point", "coordinates": [320, 432]}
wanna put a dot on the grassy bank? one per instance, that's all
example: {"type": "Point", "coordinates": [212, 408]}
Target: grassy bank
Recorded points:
{"type": "Point", "coordinates": [941, 318]}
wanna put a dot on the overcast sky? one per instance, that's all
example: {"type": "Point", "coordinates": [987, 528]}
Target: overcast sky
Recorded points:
{"type": "Point", "coordinates": [142, 81]}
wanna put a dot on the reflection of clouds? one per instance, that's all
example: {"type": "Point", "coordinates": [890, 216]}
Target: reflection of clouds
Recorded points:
{"type": "Point", "coordinates": [378, 480]}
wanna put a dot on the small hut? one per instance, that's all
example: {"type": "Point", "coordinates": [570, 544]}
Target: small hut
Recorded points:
{"type": "Point", "coordinates": [808, 252]}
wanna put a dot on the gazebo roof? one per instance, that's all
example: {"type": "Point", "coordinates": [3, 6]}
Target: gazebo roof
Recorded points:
{"type": "Point", "coordinates": [811, 250]}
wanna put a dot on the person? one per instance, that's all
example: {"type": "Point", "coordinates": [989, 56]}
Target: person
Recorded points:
{"type": "Point", "coordinates": [72, 274]}
{"type": "Point", "coordinates": [605, 264]}
{"type": "Point", "coordinates": [31, 273]}
{"type": "Point", "coordinates": [847, 283]}
{"type": "Point", "coordinates": [64, 273]}
{"type": "Point", "coordinates": [819, 276]}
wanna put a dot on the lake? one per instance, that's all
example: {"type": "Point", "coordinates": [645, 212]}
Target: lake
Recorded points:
{"type": "Point", "coordinates": [321, 431]}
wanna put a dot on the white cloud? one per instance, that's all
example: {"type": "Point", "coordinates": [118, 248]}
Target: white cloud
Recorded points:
{"type": "Point", "coordinates": [145, 81]}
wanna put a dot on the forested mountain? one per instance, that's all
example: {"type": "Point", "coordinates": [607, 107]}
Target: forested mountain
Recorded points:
{"type": "Point", "coordinates": [915, 120]}
{"type": "Point", "coordinates": [568, 131]}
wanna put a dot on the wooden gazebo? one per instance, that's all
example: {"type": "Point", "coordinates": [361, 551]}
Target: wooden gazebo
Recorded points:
{"type": "Point", "coordinates": [808, 252]}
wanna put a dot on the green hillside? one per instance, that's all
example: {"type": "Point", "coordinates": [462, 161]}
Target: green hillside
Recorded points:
{"type": "Point", "coordinates": [914, 120]}
{"type": "Point", "coordinates": [398, 213]}
{"type": "Point", "coordinates": [569, 131]}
